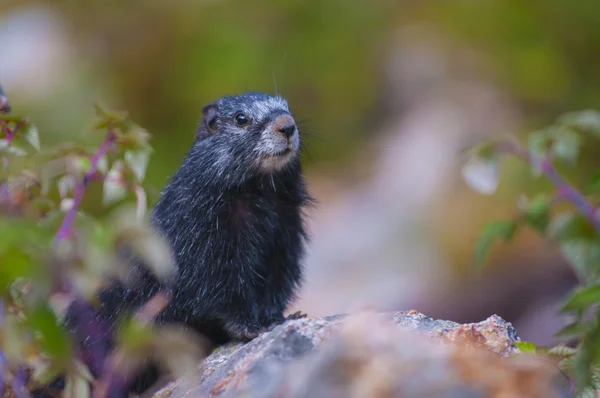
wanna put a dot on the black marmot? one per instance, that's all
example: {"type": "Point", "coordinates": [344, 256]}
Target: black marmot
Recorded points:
{"type": "Point", "coordinates": [233, 214]}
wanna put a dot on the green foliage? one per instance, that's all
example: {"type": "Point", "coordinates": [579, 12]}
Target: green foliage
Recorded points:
{"type": "Point", "coordinates": [574, 230]}
{"type": "Point", "coordinates": [53, 252]}
{"type": "Point", "coordinates": [526, 346]}
{"type": "Point", "coordinates": [496, 230]}
{"type": "Point", "coordinates": [536, 213]}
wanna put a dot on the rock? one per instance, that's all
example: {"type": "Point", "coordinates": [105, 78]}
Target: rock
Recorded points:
{"type": "Point", "coordinates": [403, 354]}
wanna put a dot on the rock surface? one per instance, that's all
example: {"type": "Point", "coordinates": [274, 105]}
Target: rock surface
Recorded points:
{"type": "Point", "coordinates": [403, 354]}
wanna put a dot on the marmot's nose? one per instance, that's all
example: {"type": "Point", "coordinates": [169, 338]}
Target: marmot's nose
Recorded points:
{"type": "Point", "coordinates": [286, 125]}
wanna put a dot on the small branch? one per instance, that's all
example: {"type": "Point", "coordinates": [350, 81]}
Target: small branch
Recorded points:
{"type": "Point", "coordinates": [65, 229]}
{"type": "Point", "coordinates": [564, 189]}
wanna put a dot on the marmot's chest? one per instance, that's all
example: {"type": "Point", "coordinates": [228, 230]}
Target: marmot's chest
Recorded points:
{"type": "Point", "coordinates": [249, 211]}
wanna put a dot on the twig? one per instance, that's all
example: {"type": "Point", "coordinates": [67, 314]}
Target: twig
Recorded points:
{"type": "Point", "coordinates": [65, 229]}
{"type": "Point", "coordinates": [564, 189]}
{"type": "Point", "coordinates": [92, 327]}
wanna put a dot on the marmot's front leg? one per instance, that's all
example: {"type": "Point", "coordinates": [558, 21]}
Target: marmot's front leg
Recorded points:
{"type": "Point", "coordinates": [243, 327]}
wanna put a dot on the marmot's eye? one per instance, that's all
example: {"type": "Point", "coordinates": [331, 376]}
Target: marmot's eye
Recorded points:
{"type": "Point", "coordinates": [240, 119]}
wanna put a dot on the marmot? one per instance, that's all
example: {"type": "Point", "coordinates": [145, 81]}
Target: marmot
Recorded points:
{"type": "Point", "coordinates": [234, 215]}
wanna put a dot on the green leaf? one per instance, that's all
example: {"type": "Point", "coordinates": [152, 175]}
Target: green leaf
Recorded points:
{"type": "Point", "coordinates": [584, 257]}
{"type": "Point", "coordinates": [482, 174]}
{"type": "Point", "coordinates": [115, 187]}
{"type": "Point", "coordinates": [81, 164]}
{"type": "Point", "coordinates": [32, 135]}
{"type": "Point", "coordinates": [66, 204]}
{"type": "Point", "coordinates": [103, 164]}
{"type": "Point", "coordinates": [571, 226]}
{"type": "Point", "coordinates": [12, 342]}
{"type": "Point", "coordinates": [485, 150]}
{"type": "Point", "coordinates": [54, 339]}
{"type": "Point", "coordinates": [555, 141]}
{"type": "Point", "coordinates": [537, 213]}
{"type": "Point", "coordinates": [573, 329]}
{"type": "Point", "coordinates": [562, 351]}
{"type": "Point", "coordinates": [16, 263]}
{"type": "Point", "coordinates": [565, 143]}
{"type": "Point", "coordinates": [539, 143]}
{"type": "Point", "coordinates": [582, 298]}
{"type": "Point", "coordinates": [135, 335]}
{"type": "Point", "coordinates": [108, 115]}
{"type": "Point", "coordinates": [593, 186]}
{"type": "Point", "coordinates": [587, 392]}
{"type": "Point", "coordinates": [76, 386]}
{"type": "Point", "coordinates": [11, 149]}
{"type": "Point", "coordinates": [587, 121]}
{"type": "Point", "coordinates": [586, 356]}
{"type": "Point", "coordinates": [146, 242]}
{"type": "Point", "coordinates": [138, 162]}
{"type": "Point", "coordinates": [526, 346]}
{"type": "Point", "coordinates": [44, 205]}
{"type": "Point", "coordinates": [136, 138]}
{"type": "Point", "coordinates": [46, 372]}
{"type": "Point", "coordinates": [66, 184]}
{"type": "Point", "coordinates": [101, 124]}
{"type": "Point", "coordinates": [83, 371]}
{"type": "Point", "coordinates": [179, 349]}
{"type": "Point", "coordinates": [11, 118]}
{"type": "Point", "coordinates": [16, 150]}
{"type": "Point", "coordinates": [495, 230]}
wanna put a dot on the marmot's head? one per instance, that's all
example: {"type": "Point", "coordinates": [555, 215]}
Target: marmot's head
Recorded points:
{"type": "Point", "coordinates": [250, 133]}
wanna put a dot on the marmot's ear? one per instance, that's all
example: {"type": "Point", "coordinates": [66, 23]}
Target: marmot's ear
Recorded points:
{"type": "Point", "coordinates": [210, 119]}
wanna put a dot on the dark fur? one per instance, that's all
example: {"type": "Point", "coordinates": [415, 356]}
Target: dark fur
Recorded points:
{"type": "Point", "coordinates": [237, 233]}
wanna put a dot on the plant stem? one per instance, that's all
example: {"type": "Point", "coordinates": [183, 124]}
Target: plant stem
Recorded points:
{"type": "Point", "coordinates": [2, 358]}
{"type": "Point", "coordinates": [564, 189]}
{"type": "Point", "coordinates": [10, 134]}
{"type": "Point", "coordinates": [568, 192]}
{"type": "Point", "coordinates": [7, 130]}
{"type": "Point", "coordinates": [65, 229]}
{"type": "Point", "coordinates": [92, 327]}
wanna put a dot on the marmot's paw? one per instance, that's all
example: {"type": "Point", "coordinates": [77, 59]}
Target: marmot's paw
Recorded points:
{"type": "Point", "coordinates": [296, 315]}
{"type": "Point", "coordinates": [243, 333]}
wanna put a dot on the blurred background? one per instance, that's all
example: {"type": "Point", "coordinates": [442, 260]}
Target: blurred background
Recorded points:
{"type": "Point", "coordinates": [388, 92]}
